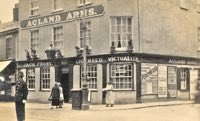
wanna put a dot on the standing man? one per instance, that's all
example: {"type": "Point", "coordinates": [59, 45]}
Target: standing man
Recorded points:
{"type": "Point", "coordinates": [20, 96]}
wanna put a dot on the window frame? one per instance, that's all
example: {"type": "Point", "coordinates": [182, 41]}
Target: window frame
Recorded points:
{"type": "Point", "coordinates": [88, 32]}
{"type": "Point", "coordinates": [48, 78]}
{"type": "Point", "coordinates": [131, 77]}
{"type": "Point", "coordinates": [32, 78]}
{"type": "Point", "coordinates": [184, 77]}
{"type": "Point", "coordinates": [198, 80]}
{"type": "Point", "coordinates": [60, 8]}
{"type": "Point", "coordinates": [118, 31]}
{"type": "Point", "coordinates": [198, 38]}
{"type": "Point", "coordinates": [9, 40]}
{"type": "Point", "coordinates": [31, 9]}
{"type": "Point", "coordinates": [198, 6]}
{"type": "Point", "coordinates": [35, 38]}
{"type": "Point", "coordinates": [54, 41]}
{"type": "Point", "coordinates": [91, 70]}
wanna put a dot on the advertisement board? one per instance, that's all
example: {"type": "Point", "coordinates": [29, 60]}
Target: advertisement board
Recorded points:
{"type": "Point", "coordinates": [162, 81]}
{"type": "Point", "coordinates": [172, 81]}
{"type": "Point", "coordinates": [193, 83]}
{"type": "Point", "coordinates": [149, 77]}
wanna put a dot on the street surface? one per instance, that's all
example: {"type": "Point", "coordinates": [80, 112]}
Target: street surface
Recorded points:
{"type": "Point", "coordinates": [42, 112]}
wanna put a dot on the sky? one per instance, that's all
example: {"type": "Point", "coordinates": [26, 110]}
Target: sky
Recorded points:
{"type": "Point", "coordinates": [6, 10]}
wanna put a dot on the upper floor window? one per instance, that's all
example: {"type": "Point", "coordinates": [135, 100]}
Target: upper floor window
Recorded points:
{"type": "Point", "coordinates": [198, 37]}
{"type": "Point", "coordinates": [82, 2]}
{"type": "Point", "coordinates": [57, 5]}
{"type": "Point", "coordinates": [121, 76]}
{"type": "Point", "coordinates": [45, 78]}
{"type": "Point", "coordinates": [88, 34]}
{"type": "Point", "coordinates": [92, 74]}
{"type": "Point", "coordinates": [9, 47]}
{"type": "Point", "coordinates": [198, 6]}
{"type": "Point", "coordinates": [34, 7]}
{"type": "Point", "coordinates": [184, 4]}
{"type": "Point", "coordinates": [121, 31]}
{"type": "Point", "coordinates": [58, 37]}
{"type": "Point", "coordinates": [34, 40]}
{"type": "Point", "coordinates": [31, 79]}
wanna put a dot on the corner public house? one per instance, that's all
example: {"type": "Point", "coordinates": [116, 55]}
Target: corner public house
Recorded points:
{"type": "Point", "coordinates": [141, 65]}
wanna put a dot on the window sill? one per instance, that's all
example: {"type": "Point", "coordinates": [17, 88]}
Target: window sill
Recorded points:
{"type": "Point", "coordinates": [58, 10]}
{"type": "Point", "coordinates": [128, 49]}
{"type": "Point", "coordinates": [184, 90]}
{"type": "Point", "coordinates": [32, 16]}
{"type": "Point", "coordinates": [184, 8]}
{"type": "Point", "coordinates": [93, 90]}
{"type": "Point", "coordinates": [121, 49]}
{"type": "Point", "coordinates": [198, 50]}
{"type": "Point", "coordinates": [48, 90]}
{"type": "Point", "coordinates": [32, 90]}
{"type": "Point", "coordinates": [116, 90]}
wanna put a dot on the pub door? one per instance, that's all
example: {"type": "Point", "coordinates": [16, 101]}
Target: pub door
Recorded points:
{"type": "Point", "coordinates": [65, 86]}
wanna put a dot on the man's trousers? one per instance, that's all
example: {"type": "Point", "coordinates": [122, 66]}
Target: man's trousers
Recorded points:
{"type": "Point", "coordinates": [20, 110]}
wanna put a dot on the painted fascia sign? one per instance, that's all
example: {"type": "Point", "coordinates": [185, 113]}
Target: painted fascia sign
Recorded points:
{"type": "Point", "coordinates": [89, 12]}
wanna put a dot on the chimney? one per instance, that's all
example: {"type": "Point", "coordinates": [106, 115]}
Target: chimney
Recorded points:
{"type": "Point", "coordinates": [16, 12]}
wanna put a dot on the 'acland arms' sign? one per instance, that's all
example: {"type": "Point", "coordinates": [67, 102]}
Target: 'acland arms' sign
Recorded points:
{"type": "Point", "coordinates": [63, 17]}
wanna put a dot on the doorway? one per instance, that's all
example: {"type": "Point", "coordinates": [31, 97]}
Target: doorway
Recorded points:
{"type": "Point", "coordinates": [65, 86]}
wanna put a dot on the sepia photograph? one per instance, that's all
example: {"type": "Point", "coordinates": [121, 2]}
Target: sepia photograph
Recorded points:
{"type": "Point", "coordinates": [99, 60]}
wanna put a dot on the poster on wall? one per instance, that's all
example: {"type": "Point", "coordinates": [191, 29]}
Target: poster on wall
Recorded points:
{"type": "Point", "coordinates": [149, 77]}
{"type": "Point", "coordinates": [172, 81]}
{"type": "Point", "coordinates": [162, 81]}
{"type": "Point", "coordinates": [193, 83]}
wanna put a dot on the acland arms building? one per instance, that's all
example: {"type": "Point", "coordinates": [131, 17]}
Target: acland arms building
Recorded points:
{"type": "Point", "coordinates": [147, 48]}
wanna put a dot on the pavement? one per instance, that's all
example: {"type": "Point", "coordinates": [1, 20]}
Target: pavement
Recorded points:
{"type": "Point", "coordinates": [154, 111]}
{"type": "Point", "coordinates": [67, 106]}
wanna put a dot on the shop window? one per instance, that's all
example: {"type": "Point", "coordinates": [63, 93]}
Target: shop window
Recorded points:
{"type": "Point", "coordinates": [58, 37]}
{"type": "Point", "coordinates": [34, 39]}
{"type": "Point", "coordinates": [82, 2]}
{"type": "Point", "coordinates": [184, 4]}
{"type": "Point", "coordinates": [88, 34]}
{"type": "Point", "coordinates": [45, 78]}
{"type": "Point", "coordinates": [9, 47]}
{"type": "Point", "coordinates": [184, 79]}
{"type": "Point", "coordinates": [121, 31]}
{"type": "Point", "coordinates": [92, 74]}
{"type": "Point", "coordinates": [34, 7]}
{"type": "Point", "coordinates": [31, 79]}
{"type": "Point", "coordinates": [121, 76]}
{"type": "Point", "coordinates": [57, 5]}
{"type": "Point", "coordinates": [198, 80]}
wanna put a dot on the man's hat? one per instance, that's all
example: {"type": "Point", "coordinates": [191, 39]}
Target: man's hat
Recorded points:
{"type": "Point", "coordinates": [20, 73]}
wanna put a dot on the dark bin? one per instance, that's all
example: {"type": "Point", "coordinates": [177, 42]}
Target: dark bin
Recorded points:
{"type": "Point", "coordinates": [76, 99]}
